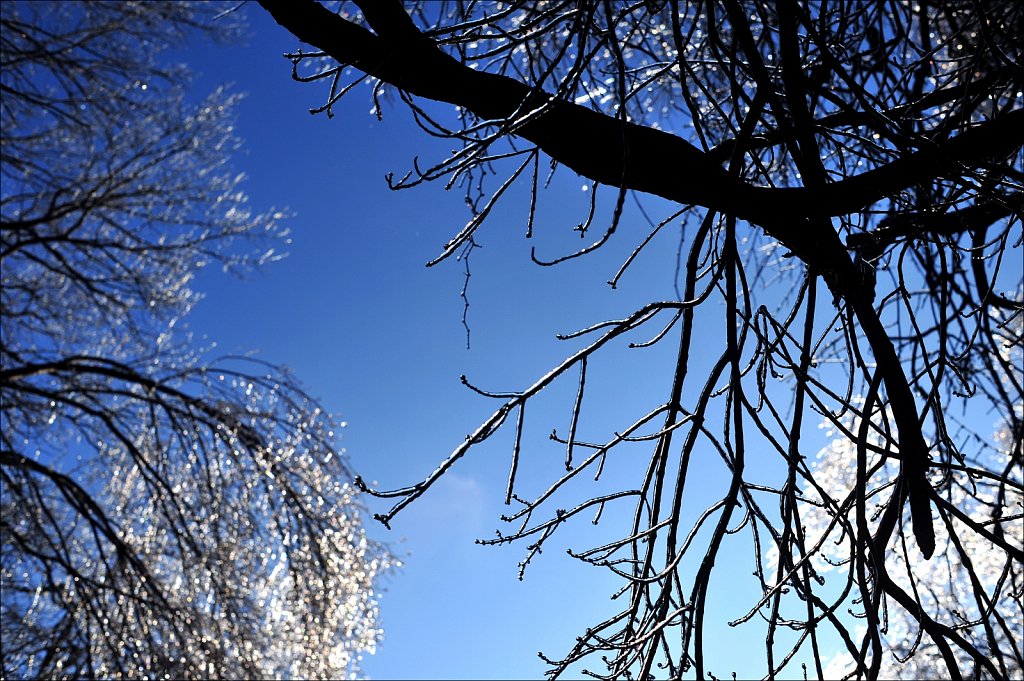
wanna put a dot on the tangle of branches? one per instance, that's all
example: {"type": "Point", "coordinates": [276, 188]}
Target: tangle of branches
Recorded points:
{"type": "Point", "coordinates": [851, 175]}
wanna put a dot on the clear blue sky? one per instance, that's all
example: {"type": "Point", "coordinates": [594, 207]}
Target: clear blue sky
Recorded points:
{"type": "Point", "coordinates": [378, 338]}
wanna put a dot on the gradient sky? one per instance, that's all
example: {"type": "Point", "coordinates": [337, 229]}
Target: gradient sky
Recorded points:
{"type": "Point", "coordinates": [378, 337]}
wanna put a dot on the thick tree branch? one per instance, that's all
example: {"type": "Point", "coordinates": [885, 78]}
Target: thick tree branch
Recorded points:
{"type": "Point", "coordinates": [970, 219]}
{"type": "Point", "coordinates": [656, 162]}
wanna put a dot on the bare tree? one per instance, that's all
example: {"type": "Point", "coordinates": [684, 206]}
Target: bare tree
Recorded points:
{"type": "Point", "coordinates": [162, 515]}
{"type": "Point", "coordinates": [851, 176]}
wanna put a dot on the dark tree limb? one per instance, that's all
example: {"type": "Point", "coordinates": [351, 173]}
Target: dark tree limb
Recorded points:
{"type": "Point", "coordinates": [657, 162]}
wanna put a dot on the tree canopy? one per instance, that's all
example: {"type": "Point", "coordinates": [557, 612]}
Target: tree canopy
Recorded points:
{"type": "Point", "coordinates": [161, 514]}
{"type": "Point", "coordinates": [850, 176]}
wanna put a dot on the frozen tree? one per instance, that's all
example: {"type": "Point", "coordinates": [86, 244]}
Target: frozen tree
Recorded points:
{"type": "Point", "coordinates": [849, 177]}
{"type": "Point", "coordinates": [162, 515]}
{"type": "Point", "coordinates": [969, 575]}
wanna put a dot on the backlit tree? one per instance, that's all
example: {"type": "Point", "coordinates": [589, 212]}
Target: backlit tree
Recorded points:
{"type": "Point", "coordinates": [160, 515]}
{"type": "Point", "coordinates": [850, 176]}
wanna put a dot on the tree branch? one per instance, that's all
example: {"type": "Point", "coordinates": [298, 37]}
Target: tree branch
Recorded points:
{"type": "Point", "coordinates": [630, 155]}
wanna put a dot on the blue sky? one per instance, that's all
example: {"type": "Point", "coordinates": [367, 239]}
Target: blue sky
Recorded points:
{"type": "Point", "coordinates": [378, 337]}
